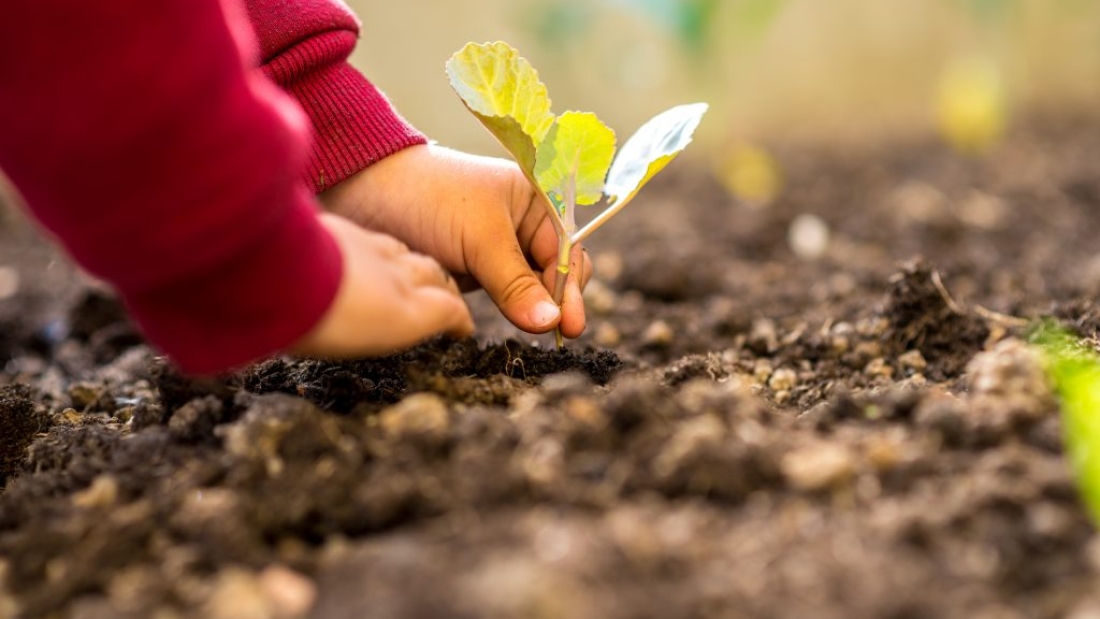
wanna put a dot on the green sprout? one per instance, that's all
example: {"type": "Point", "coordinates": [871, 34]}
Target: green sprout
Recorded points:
{"type": "Point", "coordinates": [569, 159]}
{"type": "Point", "coordinates": [1074, 369]}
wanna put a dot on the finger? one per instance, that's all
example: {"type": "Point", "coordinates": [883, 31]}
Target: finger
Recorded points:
{"type": "Point", "coordinates": [387, 245]}
{"type": "Point", "coordinates": [442, 311]}
{"type": "Point", "coordinates": [504, 273]}
{"type": "Point", "coordinates": [572, 311]}
{"type": "Point", "coordinates": [425, 271]}
{"type": "Point", "coordinates": [543, 250]}
{"type": "Point", "coordinates": [573, 317]}
{"type": "Point", "coordinates": [543, 246]}
{"type": "Point", "coordinates": [585, 269]}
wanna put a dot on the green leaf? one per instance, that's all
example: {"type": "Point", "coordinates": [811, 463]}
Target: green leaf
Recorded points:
{"type": "Point", "coordinates": [1075, 371]}
{"type": "Point", "coordinates": [502, 89]}
{"type": "Point", "coordinates": [651, 148]}
{"type": "Point", "coordinates": [573, 159]}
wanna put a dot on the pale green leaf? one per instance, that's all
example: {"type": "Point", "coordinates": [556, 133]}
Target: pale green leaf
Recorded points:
{"type": "Point", "coordinates": [650, 149]}
{"type": "Point", "coordinates": [573, 159]}
{"type": "Point", "coordinates": [502, 89]}
{"type": "Point", "coordinates": [1075, 371]}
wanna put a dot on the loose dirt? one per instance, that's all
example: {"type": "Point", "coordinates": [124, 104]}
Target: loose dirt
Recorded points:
{"type": "Point", "coordinates": [740, 433]}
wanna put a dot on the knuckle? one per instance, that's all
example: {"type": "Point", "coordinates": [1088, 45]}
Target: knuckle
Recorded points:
{"type": "Point", "coordinates": [517, 288]}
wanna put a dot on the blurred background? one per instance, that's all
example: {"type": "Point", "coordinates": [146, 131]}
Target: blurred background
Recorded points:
{"type": "Point", "coordinates": [772, 69]}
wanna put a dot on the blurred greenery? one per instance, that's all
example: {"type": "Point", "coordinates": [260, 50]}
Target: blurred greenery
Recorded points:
{"type": "Point", "coordinates": [1074, 369]}
{"type": "Point", "coordinates": [772, 69]}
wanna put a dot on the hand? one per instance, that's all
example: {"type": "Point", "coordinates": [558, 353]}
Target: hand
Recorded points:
{"type": "Point", "coordinates": [390, 298]}
{"type": "Point", "coordinates": [480, 218]}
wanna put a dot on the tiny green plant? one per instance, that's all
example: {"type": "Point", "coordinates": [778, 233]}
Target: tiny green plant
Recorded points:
{"type": "Point", "coordinates": [1074, 370]}
{"type": "Point", "coordinates": [569, 159]}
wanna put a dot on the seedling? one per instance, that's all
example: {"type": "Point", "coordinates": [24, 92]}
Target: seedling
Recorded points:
{"type": "Point", "coordinates": [1074, 370]}
{"type": "Point", "coordinates": [569, 159]}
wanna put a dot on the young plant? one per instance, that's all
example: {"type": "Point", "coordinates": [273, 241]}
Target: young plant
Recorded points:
{"type": "Point", "coordinates": [569, 159]}
{"type": "Point", "coordinates": [1074, 369]}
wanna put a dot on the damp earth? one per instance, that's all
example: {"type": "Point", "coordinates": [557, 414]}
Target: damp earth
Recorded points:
{"type": "Point", "coordinates": [744, 431]}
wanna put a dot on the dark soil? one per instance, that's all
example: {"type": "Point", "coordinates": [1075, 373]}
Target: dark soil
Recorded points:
{"type": "Point", "coordinates": [741, 433]}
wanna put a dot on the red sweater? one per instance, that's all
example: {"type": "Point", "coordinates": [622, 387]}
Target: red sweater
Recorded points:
{"type": "Point", "coordinates": [141, 135]}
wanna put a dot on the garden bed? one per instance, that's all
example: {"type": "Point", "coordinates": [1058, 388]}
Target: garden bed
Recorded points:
{"type": "Point", "coordinates": [740, 433]}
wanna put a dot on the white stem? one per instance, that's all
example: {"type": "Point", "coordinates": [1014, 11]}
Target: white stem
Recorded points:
{"type": "Point", "coordinates": [600, 220]}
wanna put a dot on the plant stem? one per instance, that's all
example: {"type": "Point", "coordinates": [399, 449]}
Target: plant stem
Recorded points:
{"type": "Point", "coordinates": [563, 231]}
{"type": "Point", "coordinates": [600, 219]}
{"type": "Point", "coordinates": [565, 247]}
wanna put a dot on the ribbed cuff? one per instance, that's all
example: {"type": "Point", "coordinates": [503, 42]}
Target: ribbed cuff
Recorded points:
{"type": "Point", "coordinates": [265, 299]}
{"type": "Point", "coordinates": [354, 124]}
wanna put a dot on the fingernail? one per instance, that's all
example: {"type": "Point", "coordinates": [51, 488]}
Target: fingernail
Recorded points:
{"type": "Point", "coordinates": [544, 313]}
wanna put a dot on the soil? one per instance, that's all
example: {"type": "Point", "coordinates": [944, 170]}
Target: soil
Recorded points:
{"type": "Point", "coordinates": [741, 433]}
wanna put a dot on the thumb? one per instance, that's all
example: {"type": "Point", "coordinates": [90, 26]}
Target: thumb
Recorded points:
{"type": "Point", "coordinates": [505, 275]}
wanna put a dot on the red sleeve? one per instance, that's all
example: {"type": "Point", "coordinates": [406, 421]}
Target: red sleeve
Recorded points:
{"type": "Point", "coordinates": [305, 46]}
{"type": "Point", "coordinates": [137, 133]}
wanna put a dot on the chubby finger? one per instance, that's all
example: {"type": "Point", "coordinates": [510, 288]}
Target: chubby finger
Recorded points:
{"type": "Point", "coordinates": [572, 311]}
{"type": "Point", "coordinates": [442, 310]}
{"type": "Point", "coordinates": [502, 270]}
{"type": "Point", "coordinates": [425, 271]}
{"type": "Point", "coordinates": [543, 250]}
{"type": "Point", "coordinates": [572, 307]}
{"type": "Point", "coordinates": [585, 268]}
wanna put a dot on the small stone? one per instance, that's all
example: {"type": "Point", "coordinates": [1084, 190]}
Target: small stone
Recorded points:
{"type": "Point", "coordinates": [608, 265]}
{"type": "Point", "coordinates": [599, 298]}
{"type": "Point", "coordinates": [913, 360]}
{"type": "Point", "coordinates": [783, 379]}
{"type": "Point", "coordinates": [607, 335]}
{"type": "Point", "coordinates": [1009, 368]}
{"type": "Point", "coordinates": [920, 202]}
{"type": "Point", "coordinates": [782, 397]}
{"type": "Point", "coordinates": [761, 371]}
{"type": "Point", "coordinates": [1048, 520]}
{"type": "Point", "coordinates": [103, 492]}
{"type": "Point", "coordinates": [764, 336]}
{"type": "Point", "coordinates": [883, 453]}
{"type": "Point", "coordinates": [839, 344]}
{"type": "Point", "coordinates": [289, 595]}
{"type": "Point", "coordinates": [693, 435]}
{"type": "Point", "coordinates": [872, 327]}
{"type": "Point", "coordinates": [1010, 377]}
{"type": "Point", "coordinates": [557, 387]}
{"type": "Point", "coordinates": [420, 414]}
{"type": "Point", "coordinates": [84, 394]}
{"type": "Point", "coordinates": [658, 333]}
{"type": "Point", "coordinates": [808, 236]}
{"type": "Point", "coordinates": [982, 210]}
{"type": "Point", "coordinates": [840, 338]}
{"type": "Point", "coordinates": [817, 467]}
{"type": "Point", "coordinates": [865, 351]}
{"type": "Point", "coordinates": [879, 367]}
{"type": "Point", "coordinates": [125, 414]}
{"type": "Point", "coordinates": [585, 411]}
{"type": "Point", "coordinates": [237, 594]}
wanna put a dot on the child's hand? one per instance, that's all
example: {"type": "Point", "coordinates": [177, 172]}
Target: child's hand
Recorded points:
{"type": "Point", "coordinates": [390, 298]}
{"type": "Point", "coordinates": [480, 218]}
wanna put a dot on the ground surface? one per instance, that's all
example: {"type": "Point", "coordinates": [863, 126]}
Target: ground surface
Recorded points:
{"type": "Point", "coordinates": [741, 432]}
